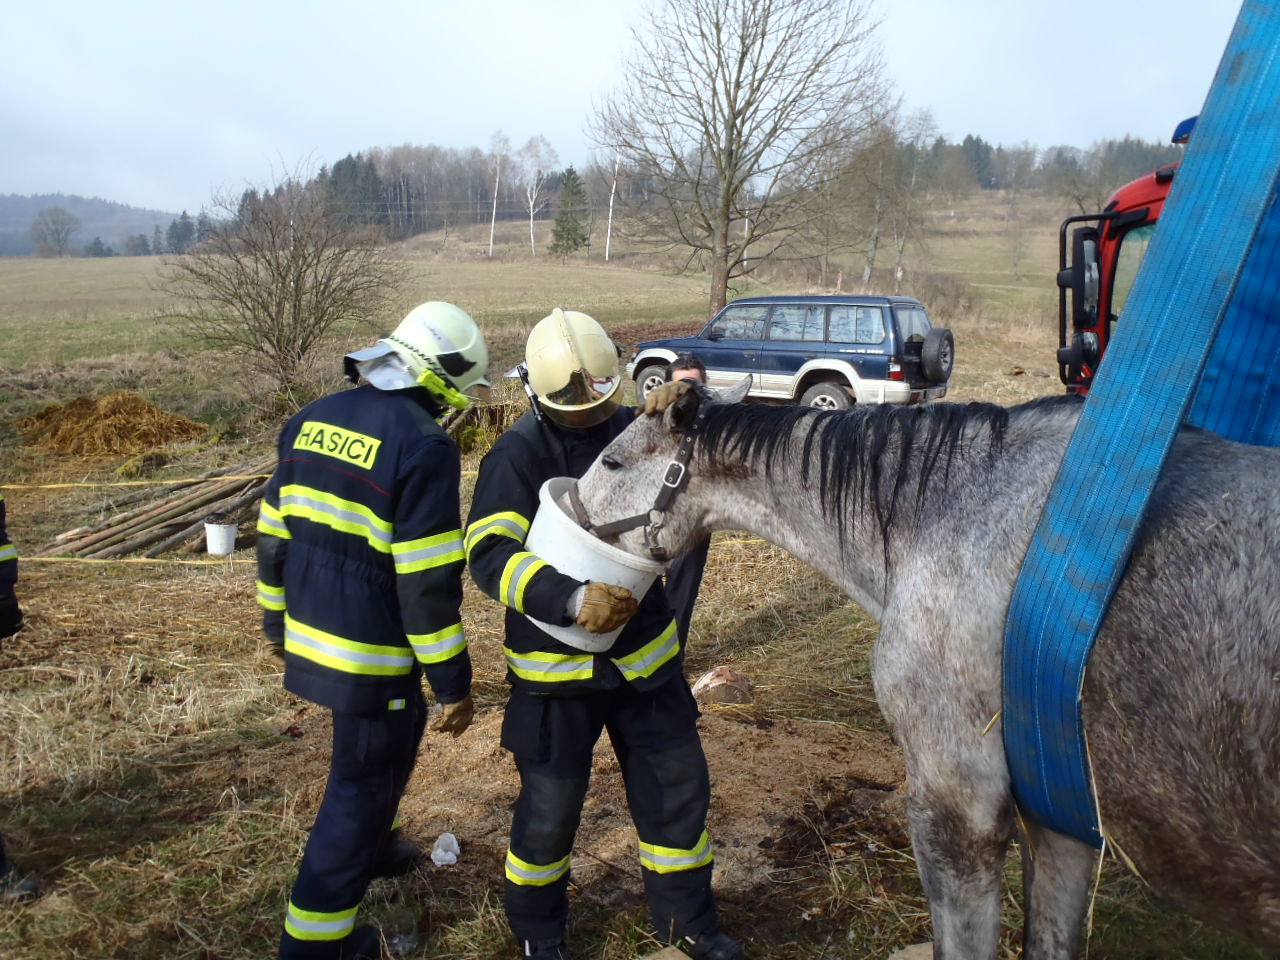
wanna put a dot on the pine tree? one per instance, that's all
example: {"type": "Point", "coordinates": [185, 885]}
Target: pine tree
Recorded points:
{"type": "Point", "coordinates": [157, 241]}
{"type": "Point", "coordinates": [567, 234]}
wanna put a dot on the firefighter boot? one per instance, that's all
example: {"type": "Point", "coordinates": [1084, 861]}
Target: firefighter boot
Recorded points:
{"type": "Point", "coordinates": [15, 887]}
{"type": "Point", "coordinates": [554, 949]}
{"type": "Point", "coordinates": [400, 856]}
{"type": "Point", "coordinates": [714, 945]}
{"type": "Point", "coordinates": [363, 943]}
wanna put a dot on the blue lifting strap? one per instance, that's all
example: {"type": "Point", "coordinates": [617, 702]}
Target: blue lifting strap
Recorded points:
{"type": "Point", "coordinates": [1193, 284]}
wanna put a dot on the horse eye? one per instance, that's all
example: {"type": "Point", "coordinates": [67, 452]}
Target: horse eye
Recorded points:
{"type": "Point", "coordinates": [610, 463]}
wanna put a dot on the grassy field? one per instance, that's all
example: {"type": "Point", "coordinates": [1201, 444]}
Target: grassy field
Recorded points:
{"type": "Point", "coordinates": [161, 784]}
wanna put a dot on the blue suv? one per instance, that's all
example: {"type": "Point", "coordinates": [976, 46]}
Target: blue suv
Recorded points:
{"type": "Point", "coordinates": [824, 352]}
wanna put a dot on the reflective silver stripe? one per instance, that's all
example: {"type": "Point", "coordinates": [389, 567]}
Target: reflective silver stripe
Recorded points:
{"type": "Point", "coordinates": [426, 553]}
{"type": "Point", "coordinates": [641, 668]}
{"type": "Point", "coordinates": [8, 552]}
{"type": "Point", "coordinates": [348, 516]}
{"type": "Point", "coordinates": [475, 533]}
{"type": "Point", "coordinates": [569, 664]}
{"type": "Point", "coordinates": [321, 926]}
{"type": "Point", "coordinates": [342, 653]}
{"type": "Point", "coordinates": [517, 578]}
{"type": "Point", "coordinates": [518, 869]}
{"type": "Point", "coordinates": [696, 859]}
{"type": "Point", "coordinates": [454, 641]}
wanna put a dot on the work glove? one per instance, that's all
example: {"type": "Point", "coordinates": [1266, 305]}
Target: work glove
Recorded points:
{"type": "Point", "coordinates": [605, 607]}
{"type": "Point", "coordinates": [454, 717]}
{"type": "Point", "coordinates": [10, 617]}
{"type": "Point", "coordinates": [664, 396]}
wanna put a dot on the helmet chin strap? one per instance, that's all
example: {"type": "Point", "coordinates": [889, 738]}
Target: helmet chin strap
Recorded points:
{"type": "Point", "coordinates": [674, 482]}
{"type": "Point", "coordinates": [436, 384]}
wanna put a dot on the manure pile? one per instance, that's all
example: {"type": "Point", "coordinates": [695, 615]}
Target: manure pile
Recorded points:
{"type": "Point", "coordinates": [120, 422]}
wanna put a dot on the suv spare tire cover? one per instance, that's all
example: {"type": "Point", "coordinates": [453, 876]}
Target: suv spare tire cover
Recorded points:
{"type": "Point", "coordinates": [938, 354]}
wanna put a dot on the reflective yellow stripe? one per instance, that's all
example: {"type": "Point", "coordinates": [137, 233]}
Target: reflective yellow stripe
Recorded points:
{"type": "Point", "coordinates": [347, 516]}
{"type": "Point", "coordinates": [8, 552]}
{"type": "Point", "coordinates": [269, 597]}
{"type": "Point", "coordinates": [534, 875]}
{"type": "Point", "coordinates": [271, 520]}
{"type": "Point", "coordinates": [516, 576]}
{"type": "Point", "coordinates": [349, 656]}
{"type": "Point", "coordinates": [314, 925]}
{"type": "Point", "coordinates": [645, 661]}
{"type": "Point", "coordinates": [427, 552]}
{"type": "Point", "coordinates": [439, 646]}
{"type": "Point", "coordinates": [506, 524]}
{"type": "Point", "coordinates": [549, 667]}
{"type": "Point", "coordinates": [673, 859]}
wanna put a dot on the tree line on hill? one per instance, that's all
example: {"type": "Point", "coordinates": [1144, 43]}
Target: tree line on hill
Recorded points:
{"type": "Point", "coordinates": [743, 132]}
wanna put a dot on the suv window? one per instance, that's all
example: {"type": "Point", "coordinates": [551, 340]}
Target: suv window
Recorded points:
{"type": "Point", "coordinates": [913, 323]}
{"type": "Point", "coordinates": [796, 322]}
{"type": "Point", "coordinates": [857, 324]}
{"type": "Point", "coordinates": [741, 323]}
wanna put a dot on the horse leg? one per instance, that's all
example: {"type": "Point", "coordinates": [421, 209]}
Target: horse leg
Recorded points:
{"type": "Point", "coordinates": [959, 833]}
{"type": "Point", "coordinates": [1056, 872]}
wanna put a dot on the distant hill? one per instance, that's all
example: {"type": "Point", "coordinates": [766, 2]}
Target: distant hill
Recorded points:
{"type": "Point", "coordinates": [98, 218]}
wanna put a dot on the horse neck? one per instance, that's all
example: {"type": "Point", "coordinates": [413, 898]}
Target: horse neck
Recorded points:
{"type": "Point", "coordinates": [778, 506]}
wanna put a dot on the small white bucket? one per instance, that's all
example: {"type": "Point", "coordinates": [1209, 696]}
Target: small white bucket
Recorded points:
{"type": "Point", "coordinates": [556, 537]}
{"type": "Point", "coordinates": [219, 536]}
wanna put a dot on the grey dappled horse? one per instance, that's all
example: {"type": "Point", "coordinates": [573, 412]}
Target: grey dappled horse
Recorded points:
{"type": "Point", "coordinates": [923, 515]}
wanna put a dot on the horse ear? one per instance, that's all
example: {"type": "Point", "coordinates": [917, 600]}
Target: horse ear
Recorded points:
{"type": "Point", "coordinates": [677, 417]}
{"type": "Point", "coordinates": [738, 392]}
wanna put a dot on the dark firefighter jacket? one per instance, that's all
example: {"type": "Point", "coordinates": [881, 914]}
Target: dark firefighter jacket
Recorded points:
{"type": "Point", "coordinates": [646, 653]}
{"type": "Point", "coordinates": [360, 552]}
{"type": "Point", "coordinates": [8, 559]}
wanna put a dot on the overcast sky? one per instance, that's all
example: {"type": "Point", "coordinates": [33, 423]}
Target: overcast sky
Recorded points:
{"type": "Point", "coordinates": [162, 105]}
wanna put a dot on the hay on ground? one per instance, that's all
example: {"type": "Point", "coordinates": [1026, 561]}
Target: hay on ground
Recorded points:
{"type": "Point", "coordinates": [119, 422]}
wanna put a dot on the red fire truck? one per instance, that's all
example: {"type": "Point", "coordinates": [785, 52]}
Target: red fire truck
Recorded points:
{"type": "Point", "coordinates": [1104, 259]}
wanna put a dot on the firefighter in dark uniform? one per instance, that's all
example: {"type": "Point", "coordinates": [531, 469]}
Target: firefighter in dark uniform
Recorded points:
{"type": "Point", "coordinates": [13, 885]}
{"type": "Point", "coordinates": [360, 564]}
{"type": "Point", "coordinates": [562, 697]}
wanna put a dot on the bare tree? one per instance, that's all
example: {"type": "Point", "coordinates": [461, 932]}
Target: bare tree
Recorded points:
{"type": "Point", "coordinates": [729, 107]}
{"type": "Point", "coordinates": [51, 231]}
{"type": "Point", "coordinates": [537, 161]}
{"type": "Point", "coordinates": [274, 276]}
{"type": "Point", "coordinates": [499, 155]}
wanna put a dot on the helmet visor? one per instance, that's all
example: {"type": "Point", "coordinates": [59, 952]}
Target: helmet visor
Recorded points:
{"type": "Point", "coordinates": [381, 366]}
{"type": "Point", "coordinates": [583, 389]}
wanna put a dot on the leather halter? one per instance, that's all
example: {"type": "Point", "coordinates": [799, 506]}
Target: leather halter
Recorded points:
{"type": "Point", "coordinates": [674, 481]}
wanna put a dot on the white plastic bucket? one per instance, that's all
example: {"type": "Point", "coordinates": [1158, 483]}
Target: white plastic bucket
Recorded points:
{"type": "Point", "coordinates": [219, 537]}
{"type": "Point", "coordinates": [556, 537]}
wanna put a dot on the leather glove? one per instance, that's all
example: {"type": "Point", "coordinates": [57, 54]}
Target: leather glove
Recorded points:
{"type": "Point", "coordinates": [605, 607]}
{"type": "Point", "coordinates": [455, 717]}
{"type": "Point", "coordinates": [10, 617]}
{"type": "Point", "coordinates": [664, 396]}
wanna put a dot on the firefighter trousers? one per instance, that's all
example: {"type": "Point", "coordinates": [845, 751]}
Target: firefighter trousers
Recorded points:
{"type": "Point", "coordinates": [373, 757]}
{"type": "Point", "coordinates": [655, 739]}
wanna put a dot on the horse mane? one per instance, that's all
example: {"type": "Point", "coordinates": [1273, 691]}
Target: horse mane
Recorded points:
{"type": "Point", "coordinates": [850, 445]}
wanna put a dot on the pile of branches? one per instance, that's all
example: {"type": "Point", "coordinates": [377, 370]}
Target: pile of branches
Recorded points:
{"type": "Point", "coordinates": [174, 520]}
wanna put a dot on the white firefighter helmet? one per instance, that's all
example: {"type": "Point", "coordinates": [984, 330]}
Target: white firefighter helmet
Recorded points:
{"type": "Point", "coordinates": [573, 368]}
{"type": "Point", "coordinates": [436, 345]}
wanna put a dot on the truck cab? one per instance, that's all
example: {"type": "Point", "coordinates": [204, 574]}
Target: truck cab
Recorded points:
{"type": "Point", "coordinates": [1098, 259]}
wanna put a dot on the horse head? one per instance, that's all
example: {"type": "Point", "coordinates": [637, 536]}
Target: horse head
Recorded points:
{"type": "Point", "coordinates": [641, 492]}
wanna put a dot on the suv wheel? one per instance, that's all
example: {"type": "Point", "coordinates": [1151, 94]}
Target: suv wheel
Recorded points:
{"type": "Point", "coordinates": [649, 378]}
{"type": "Point", "coordinates": [826, 396]}
{"type": "Point", "coordinates": [938, 355]}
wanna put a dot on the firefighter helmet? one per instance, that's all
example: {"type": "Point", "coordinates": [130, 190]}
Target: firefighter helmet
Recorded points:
{"type": "Point", "coordinates": [573, 368]}
{"type": "Point", "coordinates": [437, 346]}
